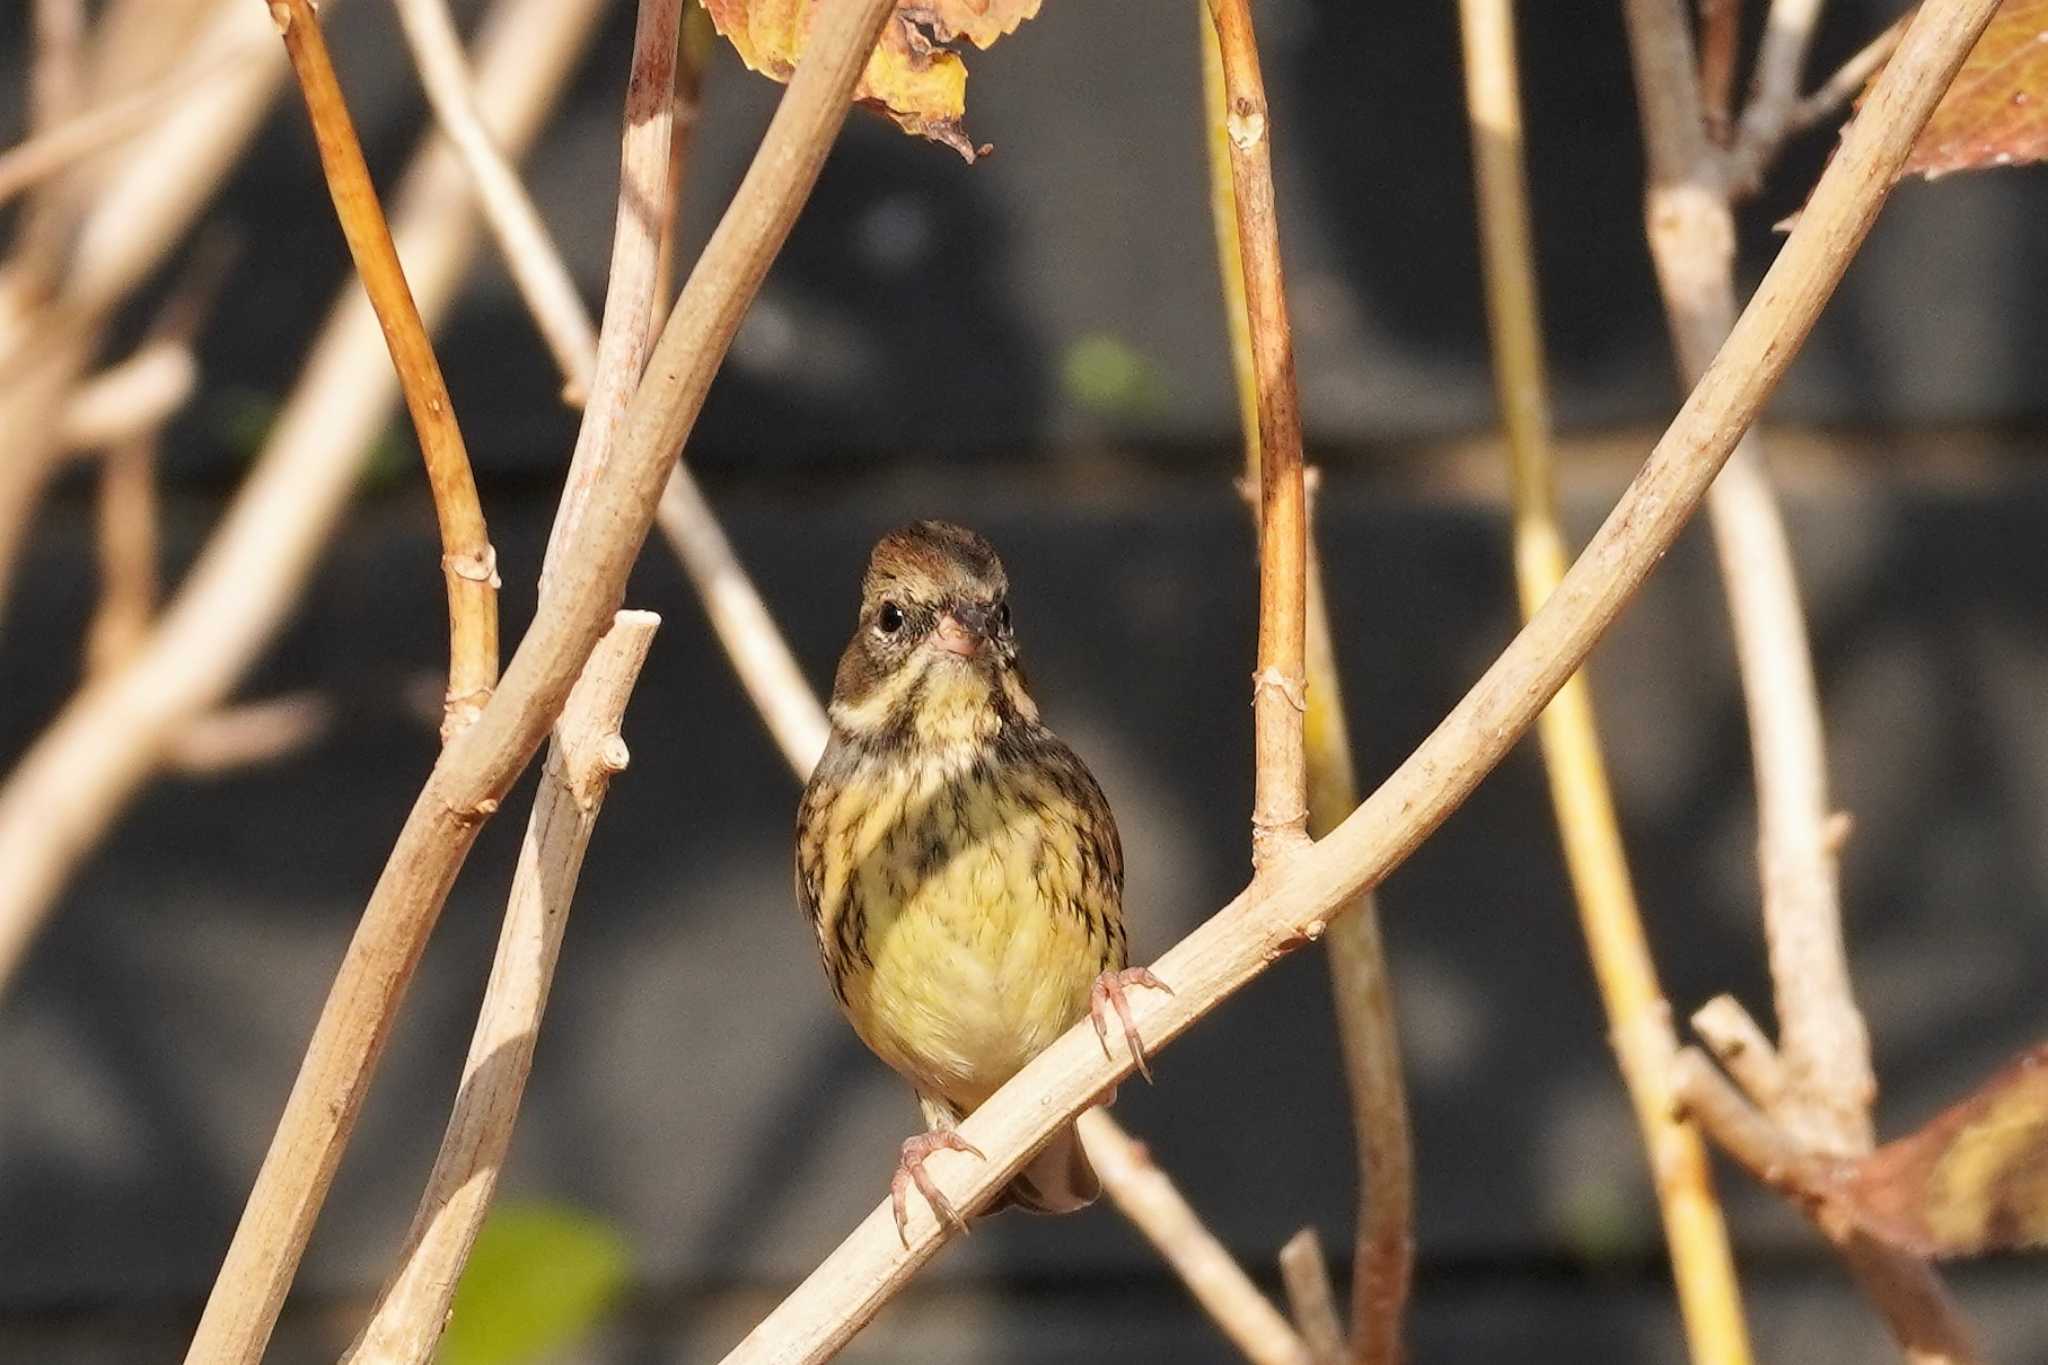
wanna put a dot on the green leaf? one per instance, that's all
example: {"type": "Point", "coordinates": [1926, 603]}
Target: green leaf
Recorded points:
{"type": "Point", "coordinates": [541, 1276]}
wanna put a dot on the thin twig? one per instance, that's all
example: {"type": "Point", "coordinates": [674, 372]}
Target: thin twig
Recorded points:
{"type": "Point", "coordinates": [1774, 86]}
{"type": "Point", "coordinates": [130, 398]}
{"type": "Point", "coordinates": [1279, 914]}
{"type": "Point", "coordinates": [1146, 1196]}
{"type": "Point", "coordinates": [693, 59]}
{"type": "Point", "coordinates": [1741, 1046]}
{"type": "Point", "coordinates": [646, 200]}
{"type": "Point", "coordinates": [1638, 1017]}
{"type": "Point", "coordinates": [1838, 89]}
{"type": "Point", "coordinates": [249, 732]}
{"type": "Point", "coordinates": [759, 656]}
{"type": "Point", "coordinates": [1824, 1048]}
{"type": "Point", "coordinates": [1361, 986]}
{"type": "Point", "coordinates": [523, 242]}
{"type": "Point", "coordinates": [1720, 39]}
{"type": "Point", "coordinates": [1822, 1039]}
{"type": "Point", "coordinates": [56, 92]}
{"type": "Point", "coordinates": [1280, 799]}
{"type": "Point", "coordinates": [1916, 1306]}
{"type": "Point", "coordinates": [127, 524]}
{"type": "Point", "coordinates": [468, 562]}
{"type": "Point", "coordinates": [478, 766]}
{"type": "Point", "coordinates": [406, 1326]}
{"type": "Point", "coordinates": [1306, 1274]}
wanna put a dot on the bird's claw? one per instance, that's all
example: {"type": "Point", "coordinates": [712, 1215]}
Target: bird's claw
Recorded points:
{"type": "Point", "coordinates": [910, 1171]}
{"type": "Point", "coordinates": [1109, 990]}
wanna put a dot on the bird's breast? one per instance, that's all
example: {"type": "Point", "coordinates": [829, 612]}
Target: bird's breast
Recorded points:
{"type": "Point", "coordinates": [969, 925]}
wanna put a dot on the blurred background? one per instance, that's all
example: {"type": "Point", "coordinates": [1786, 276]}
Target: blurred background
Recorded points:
{"type": "Point", "coordinates": [1034, 346]}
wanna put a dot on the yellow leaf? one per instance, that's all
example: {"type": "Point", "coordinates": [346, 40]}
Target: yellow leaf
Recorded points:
{"type": "Point", "coordinates": [1996, 112]}
{"type": "Point", "coordinates": [911, 76]}
{"type": "Point", "coordinates": [1973, 1179]}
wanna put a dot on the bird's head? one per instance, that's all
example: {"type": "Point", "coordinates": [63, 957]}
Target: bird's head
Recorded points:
{"type": "Point", "coordinates": [933, 655]}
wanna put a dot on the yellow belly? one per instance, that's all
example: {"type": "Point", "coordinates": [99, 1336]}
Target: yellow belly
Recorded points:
{"type": "Point", "coordinates": [979, 944]}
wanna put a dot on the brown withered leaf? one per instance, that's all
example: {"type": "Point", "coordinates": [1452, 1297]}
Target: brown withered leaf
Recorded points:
{"type": "Point", "coordinates": [912, 76]}
{"type": "Point", "coordinates": [1996, 112]}
{"type": "Point", "coordinates": [1973, 1180]}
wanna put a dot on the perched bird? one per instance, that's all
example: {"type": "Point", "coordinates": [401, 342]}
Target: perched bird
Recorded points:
{"type": "Point", "coordinates": [958, 863]}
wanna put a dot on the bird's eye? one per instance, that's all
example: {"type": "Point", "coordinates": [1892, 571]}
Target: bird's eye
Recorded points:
{"type": "Point", "coordinates": [1003, 615]}
{"type": "Point", "coordinates": [889, 619]}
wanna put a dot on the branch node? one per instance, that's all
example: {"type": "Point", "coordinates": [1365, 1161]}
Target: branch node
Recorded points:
{"type": "Point", "coordinates": [479, 567]}
{"type": "Point", "coordinates": [1295, 689]}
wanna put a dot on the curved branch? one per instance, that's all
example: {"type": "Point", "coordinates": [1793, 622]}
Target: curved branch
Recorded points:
{"type": "Point", "coordinates": [1280, 913]}
{"type": "Point", "coordinates": [468, 562]}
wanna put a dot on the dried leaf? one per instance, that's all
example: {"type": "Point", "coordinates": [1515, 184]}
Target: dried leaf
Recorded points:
{"type": "Point", "coordinates": [912, 76]}
{"type": "Point", "coordinates": [1972, 1180]}
{"type": "Point", "coordinates": [1996, 112]}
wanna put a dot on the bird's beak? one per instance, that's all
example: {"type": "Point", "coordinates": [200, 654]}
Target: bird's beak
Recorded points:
{"type": "Point", "coordinates": [961, 631]}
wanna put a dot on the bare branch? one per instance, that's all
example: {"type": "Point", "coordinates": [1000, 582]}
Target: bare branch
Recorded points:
{"type": "Point", "coordinates": [1280, 802]}
{"type": "Point", "coordinates": [1720, 39]}
{"type": "Point", "coordinates": [1307, 1277]}
{"type": "Point", "coordinates": [1906, 1291]}
{"type": "Point", "coordinates": [1775, 85]}
{"type": "Point", "coordinates": [406, 1326]}
{"type": "Point", "coordinates": [1638, 1017]}
{"type": "Point", "coordinates": [528, 251]}
{"type": "Point", "coordinates": [479, 765]}
{"type": "Point", "coordinates": [249, 732]}
{"type": "Point", "coordinates": [129, 399]}
{"type": "Point", "coordinates": [468, 562]}
{"type": "Point", "coordinates": [1146, 1196]}
{"type": "Point", "coordinates": [1838, 89]}
{"type": "Point", "coordinates": [646, 202]}
{"type": "Point", "coordinates": [1742, 1047]}
{"type": "Point", "coordinates": [1823, 1045]}
{"type": "Point", "coordinates": [1279, 914]}
{"type": "Point", "coordinates": [760, 657]}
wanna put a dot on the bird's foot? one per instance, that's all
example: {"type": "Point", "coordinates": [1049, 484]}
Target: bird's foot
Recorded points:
{"type": "Point", "coordinates": [1108, 990]}
{"type": "Point", "coordinates": [910, 1171]}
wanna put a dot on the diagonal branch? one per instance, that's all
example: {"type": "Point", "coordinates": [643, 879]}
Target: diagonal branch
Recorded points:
{"type": "Point", "coordinates": [530, 258]}
{"type": "Point", "coordinates": [479, 765]}
{"type": "Point", "coordinates": [411, 1314]}
{"type": "Point", "coordinates": [468, 562]}
{"type": "Point", "coordinates": [1638, 1016]}
{"type": "Point", "coordinates": [1281, 913]}
{"type": "Point", "coordinates": [1280, 799]}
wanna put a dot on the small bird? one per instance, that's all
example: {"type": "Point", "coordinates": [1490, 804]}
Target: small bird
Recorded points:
{"type": "Point", "coordinates": [958, 863]}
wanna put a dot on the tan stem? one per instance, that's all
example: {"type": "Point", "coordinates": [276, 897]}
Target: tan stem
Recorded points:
{"type": "Point", "coordinates": [1306, 1275]}
{"type": "Point", "coordinates": [522, 238]}
{"type": "Point", "coordinates": [411, 1314]}
{"type": "Point", "coordinates": [646, 201]}
{"type": "Point", "coordinates": [1280, 796]}
{"type": "Point", "coordinates": [468, 562]}
{"type": "Point", "coordinates": [1827, 1083]}
{"type": "Point", "coordinates": [478, 766]}
{"type": "Point", "coordinates": [1638, 1017]}
{"type": "Point", "coordinates": [1146, 1195]}
{"type": "Point", "coordinates": [1280, 913]}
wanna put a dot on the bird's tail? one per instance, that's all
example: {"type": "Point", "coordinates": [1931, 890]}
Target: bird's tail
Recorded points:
{"type": "Point", "coordinates": [1057, 1180]}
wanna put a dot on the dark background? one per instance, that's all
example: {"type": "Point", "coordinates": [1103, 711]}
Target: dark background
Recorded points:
{"type": "Point", "coordinates": [934, 342]}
